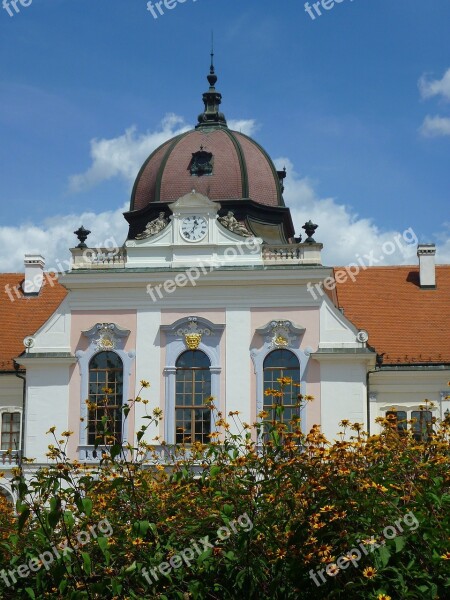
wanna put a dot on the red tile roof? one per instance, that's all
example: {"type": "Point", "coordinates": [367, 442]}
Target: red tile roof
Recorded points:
{"type": "Point", "coordinates": [21, 316]}
{"type": "Point", "coordinates": [409, 324]}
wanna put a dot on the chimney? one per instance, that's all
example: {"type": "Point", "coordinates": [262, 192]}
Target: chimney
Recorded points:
{"type": "Point", "coordinates": [34, 274]}
{"type": "Point", "coordinates": [427, 266]}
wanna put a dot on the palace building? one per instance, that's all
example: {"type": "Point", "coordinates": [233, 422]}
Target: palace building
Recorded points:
{"type": "Point", "coordinates": [208, 296]}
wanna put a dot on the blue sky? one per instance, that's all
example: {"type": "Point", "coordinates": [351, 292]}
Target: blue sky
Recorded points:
{"type": "Point", "coordinates": [356, 102]}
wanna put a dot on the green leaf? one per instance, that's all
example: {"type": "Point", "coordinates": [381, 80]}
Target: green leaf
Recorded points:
{"type": "Point", "coordinates": [214, 471]}
{"type": "Point", "coordinates": [30, 592]}
{"type": "Point", "coordinates": [227, 510]}
{"type": "Point", "coordinates": [131, 568]}
{"type": "Point", "coordinates": [399, 543]}
{"type": "Point", "coordinates": [87, 506]}
{"type": "Point", "coordinates": [384, 556]}
{"type": "Point", "coordinates": [87, 563]}
{"type": "Point", "coordinates": [25, 513]}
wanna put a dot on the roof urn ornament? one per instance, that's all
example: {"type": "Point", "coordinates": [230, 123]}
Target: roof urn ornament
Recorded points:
{"type": "Point", "coordinates": [310, 229]}
{"type": "Point", "coordinates": [82, 235]}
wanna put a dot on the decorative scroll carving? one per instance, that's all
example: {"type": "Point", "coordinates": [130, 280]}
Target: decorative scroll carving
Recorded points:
{"type": "Point", "coordinates": [108, 334]}
{"type": "Point", "coordinates": [280, 333]}
{"type": "Point", "coordinates": [193, 333]}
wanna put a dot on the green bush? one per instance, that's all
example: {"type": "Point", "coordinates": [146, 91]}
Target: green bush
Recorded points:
{"type": "Point", "coordinates": [237, 517]}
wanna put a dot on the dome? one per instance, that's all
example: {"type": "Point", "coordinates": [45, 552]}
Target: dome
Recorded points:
{"type": "Point", "coordinates": [226, 166]}
{"type": "Point", "coordinates": [215, 161]}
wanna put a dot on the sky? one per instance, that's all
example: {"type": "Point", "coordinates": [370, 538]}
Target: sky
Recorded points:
{"type": "Point", "coordinates": [354, 101]}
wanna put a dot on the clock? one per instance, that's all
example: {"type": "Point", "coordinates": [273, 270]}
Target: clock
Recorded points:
{"type": "Point", "coordinates": [193, 228]}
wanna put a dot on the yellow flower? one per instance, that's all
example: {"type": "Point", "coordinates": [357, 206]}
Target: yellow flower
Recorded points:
{"type": "Point", "coordinates": [446, 556]}
{"type": "Point", "coordinates": [52, 429]}
{"type": "Point", "coordinates": [369, 572]}
{"type": "Point", "coordinates": [66, 433]}
{"type": "Point", "coordinates": [332, 570]}
{"type": "Point", "coordinates": [379, 487]}
{"type": "Point", "coordinates": [383, 597]}
{"type": "Point", "coordinates": [145, 384]}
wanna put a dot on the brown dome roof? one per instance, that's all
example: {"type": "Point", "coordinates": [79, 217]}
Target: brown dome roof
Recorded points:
{"type": "Point", "coordinates": [241, 169]}
{"type": "Point", "coordinates": [224, 165]}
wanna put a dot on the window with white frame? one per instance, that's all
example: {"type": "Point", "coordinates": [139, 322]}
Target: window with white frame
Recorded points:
{"type": "Point", "coordinates": [280, 355]}
{"type": "Point", "coordinates": [104, 364]}
{"type": "Point", "coordinates": [10, 433]}
{"type": "Point", "coordinates": [192, 374]}
{"type": "Point", "coordinates": [106, 398]}
{"type": "Point", "coordinates": [282, 365]}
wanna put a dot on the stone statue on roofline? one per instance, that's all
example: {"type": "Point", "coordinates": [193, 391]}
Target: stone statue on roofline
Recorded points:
{"type": "Point", "coordinates": [232, 224]}
{"type": "Point", "coordinates": [154, 227]}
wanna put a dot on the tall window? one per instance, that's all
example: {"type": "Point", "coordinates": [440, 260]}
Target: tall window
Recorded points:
{"type": "Point", "coordinates": [10, 431]}
{"type": "Point", "coordinates": [421, 425]}
{"type": "Point", "coordinates": [278, 364]}
{"type": "Point", "coordinates": [106, 392]}
{"type": "Point", "coordinates": [193, 387]}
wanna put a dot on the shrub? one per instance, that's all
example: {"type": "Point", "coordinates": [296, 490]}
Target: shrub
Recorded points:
{"type": "Point", "coordinates": [256, 513]}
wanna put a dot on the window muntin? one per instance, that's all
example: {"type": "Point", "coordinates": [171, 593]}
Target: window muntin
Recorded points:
{"type": "Point", "coordinates": [192, 388]}
{"type": "Point", "coordinates": [278, 364]}
{"type": "Point", "coordinates": [105, 373]}
{"type": "Point", "coordinates": [10, 435]}
{"type": "Point", "coordinates": [400, 417]}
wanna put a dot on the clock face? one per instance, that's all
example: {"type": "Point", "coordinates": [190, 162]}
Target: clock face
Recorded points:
{"type": "Point", "coordinates": [193, 228]}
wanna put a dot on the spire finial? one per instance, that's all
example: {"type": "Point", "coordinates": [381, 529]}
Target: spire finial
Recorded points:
{"type": "Point", "coordinates": [212, 77]}
{"type": "Point", "coordinates": [212, 99]}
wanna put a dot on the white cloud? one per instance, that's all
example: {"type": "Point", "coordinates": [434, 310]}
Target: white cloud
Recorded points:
{"type": "Point", "coordinates": [55, 236]}
{"type": "Point", "coordinates": [435, 87]}
{"type": "Point", "coordinates": [247, 126]}
{"type": "Point", "coordinates": [123, 156]}
{"type": "Point", "coordinates": [435, 126]}
{"type": "Point", "coordinates": [347, 237]}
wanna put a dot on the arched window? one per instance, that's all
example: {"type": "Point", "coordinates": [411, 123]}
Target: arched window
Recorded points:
{"type": "Point", "coordinates": [193, 387]}
{"type": "Point", "coordinates": [10, 435]}
{"type": "Point", "coordinates": [9, 500]}
{"type": "Point", "coordinates": [278, 364]}
{"type": "Point", "coordinates": [106, 392]}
